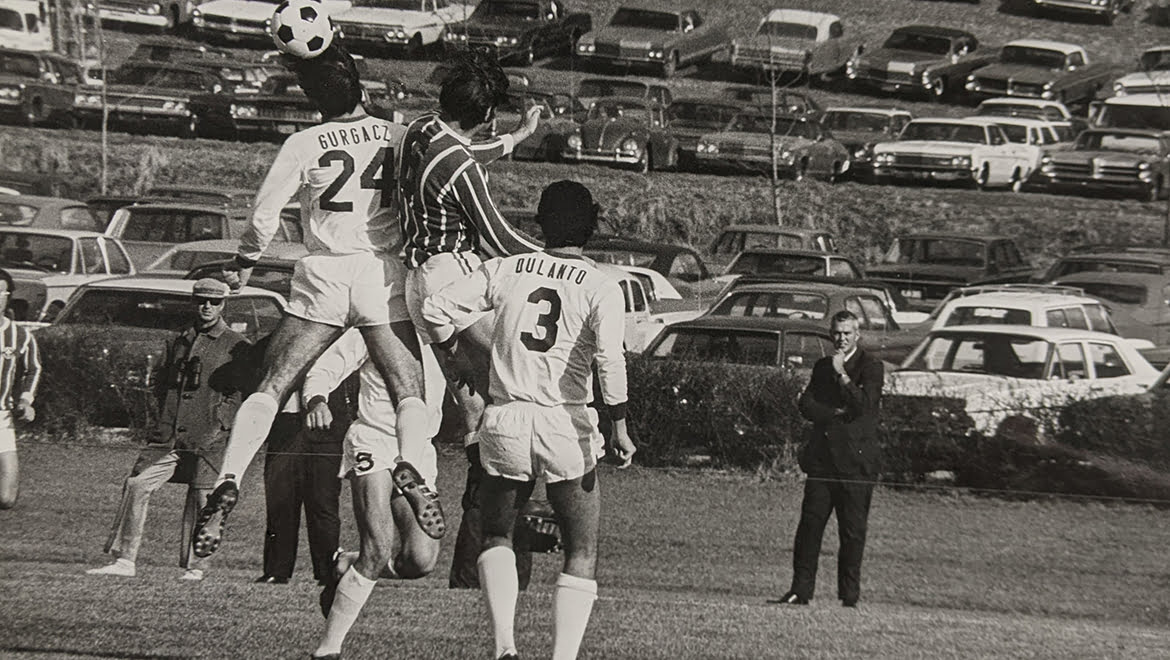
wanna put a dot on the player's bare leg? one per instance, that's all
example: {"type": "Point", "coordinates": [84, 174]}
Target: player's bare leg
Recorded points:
{"type": "Point", "coordinates": [392, 545]}
{"type": "Point", "coordinates": [295, 345]}
{"type": "Point", "coordinates": [395, 351]}
{"type": "Point", "coordinates": [9, 479]}
{"type": "Point", "coordinates": [577, 504]}
{"type": "Point", "coordinates": [500, 502]}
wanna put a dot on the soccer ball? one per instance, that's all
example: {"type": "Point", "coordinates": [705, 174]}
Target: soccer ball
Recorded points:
{"type": "Point", "coordinates": [302, 28]}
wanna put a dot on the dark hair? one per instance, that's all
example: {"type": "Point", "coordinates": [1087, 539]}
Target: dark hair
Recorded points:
{"type": "Point", "coordinates": [567, 215]}
{"type": "Point", "coordinates": [330, 80]}
{"type": "Point", "coordinates": [473, 85]}
{"type": "Point", "coordinates": [843, 316]}
{"type": "Point", "coordinates": [8, 279]}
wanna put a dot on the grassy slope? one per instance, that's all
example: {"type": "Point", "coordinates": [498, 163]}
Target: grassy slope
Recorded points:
{"type": "Point", "coordinates": [688, 560]}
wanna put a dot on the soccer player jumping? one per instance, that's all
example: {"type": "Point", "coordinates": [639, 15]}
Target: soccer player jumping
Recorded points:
{"type": "Point", "coordinates": [555, 314]}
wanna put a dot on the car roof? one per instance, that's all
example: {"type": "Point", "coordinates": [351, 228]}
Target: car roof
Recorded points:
{"type": "Point", "coordinates": [708, 100]}
{"type": "Point", "coordinates": [820, 19]}
{"type": "Point", "coordinates": [616, 273]}
{"type": "Point", "coordinates": [63, 233]}
{"type": "Point", "coordinates": [1047, 333]}
{"type": "Point", "coordinates": [934, 30]}
{"type": "Point", "coordinates": [1112, 277]}
{"type": "Point", "coordinates": [41, 201]}
{"type": "Point", "coordinates": [1153, 100]}
{"type": "Point", "coordinates": [1135, 132]}
{"type": "Point", "coordinates": [786, 251]}
{"type": "Point", "coordinates": [218, 191]}
{"type": "Point", "coordinates": [1015, 100]}
{"type": "Point", "coordinates": [953, 236]}
{"type": "Point", "coordinates": [1019, 121]}
{"type": "Point", "coordinates": [179, 206]}
{"type": "Point", "coordinates": [802, 287]}
{"type": "Point", "coordinates": [1023, 299]}
{"type": "Point", "coordinates": [871, 110]}
{"type": "Point", "coordinates": [1119, 256]}
{"type": "Point", "coordinates": [633, 244]}
{"type": "Point", "coordinates": [275, 249]}
{"type": "Point", "coordinates": [776, 229]}
{"type": "Point", "coordinates": [168, 285]}
{"type": "Point", "coordinates": [766, 323]}
{"type": "Point", "coordinates": [657, 5]}
{"type": "Point", "coordinates": [968, 121]}
{"type": "Point", "coordinates": [1045, 44]}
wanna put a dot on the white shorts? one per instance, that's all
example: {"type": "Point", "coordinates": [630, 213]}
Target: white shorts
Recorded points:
{"type": "Point", "coordinates": [349, 290]}
{"type": "Point", "coordinates": [367, 450]}
{"type": "Point", "coordinates": [7, 433]}
{"type": "Point", "coordinates": [436, 273]}
{"type": "Point", "coordinates": [523, 441]}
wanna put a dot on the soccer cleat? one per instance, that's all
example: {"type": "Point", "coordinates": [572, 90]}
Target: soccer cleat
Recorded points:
{"type": "Point", "coordinates": [423, 501]}
{"type": "Point", "coordinates": [331, 656]}
{"type": "Point", "coordinates": [849, 602]}
{"type": "Point", "coordinates": [790, 598]}
{"type": "Point", "coordinates": [510, 655]}
{"type": "Point", "coordinates": [212, 517]}
{"type": "Point", "coordinates": [192, 575]}
{"type": "Point", "coordinates": [117, 569]}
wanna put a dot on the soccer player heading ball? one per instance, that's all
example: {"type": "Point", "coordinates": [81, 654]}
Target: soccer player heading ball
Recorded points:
{"type": "Point", "coordinates": [302, 28]}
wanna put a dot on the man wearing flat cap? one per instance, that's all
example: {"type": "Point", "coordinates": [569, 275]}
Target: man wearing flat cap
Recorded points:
{"type": "Point", "coordinates": [198, 389]}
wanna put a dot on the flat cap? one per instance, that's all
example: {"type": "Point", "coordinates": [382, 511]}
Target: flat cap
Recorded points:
{"type": "Point", "coordinates": [210, 288]}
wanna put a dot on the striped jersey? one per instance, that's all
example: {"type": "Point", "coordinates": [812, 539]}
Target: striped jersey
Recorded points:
{"type": "Point", "coordinates": [20, 365]}
{"type": "Point", "coordinates": [554, 316]}
{"type": "Point", "coordinates": [446, 206]}
{"type": "Point", "coordinates": [335, 170]}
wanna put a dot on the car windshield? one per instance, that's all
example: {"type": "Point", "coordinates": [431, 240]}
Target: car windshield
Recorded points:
{"type": "Point", "coordinates": [784, 30]}
{"type": "Point", "coordinates": [719, 345]}
{"type": "Point", "coordinates": [1070, 266]}
{"type": "Point", "coordinates": [595, 88]}
{"type": "Point", "coordinates": [622, 257]}
{"type": "Point", "coordinates": [937, 131]}
{"type": "Point", "coordinates": [763, 262]}
{"type": "Point", "coordinates": [529, 11]}
{"type": "Point", "coordinates": [751, 122]}
{"type": "Point", "coordinates": [940, 251]}
{"type": "Point", "coordinates": [619, 111]}
{"type": "Point", "coordinates": [781, 304]}
{"type": "Point", "coordinates": [1095, 140]}
{"type": "Point", "coordinates": [848, 120]}
{"type": "Point", "coordinates": [983, 315]}
{"type": "Point", "coordinates": [1002, 109]}
{"type": "Point", "coordinates": [1155, 60]}
{"type": "Point", "coordinates": [995, 354]}
{"type": "Point", "coordinates": [645, 18]}
{"type": "Point", "coordinates": [917, 42]}
{"type": "Point", "coordinates": [45, 252]}
{"type": "Point", "coordinates": [25, 66]}
{"type": "Point", "coordinates": [685, 114]}
{"type": "Point", "coordinates": [185, 260]}
{"type": "Point", "coordinates": [1124, 294]}
{"type": "Point", "coordinates": [16, 214]}
{"type": "Point", "coordinates": [1152, 117]}
{"type": "Point", "coordinates": [10, 19]}
{"type": "Point", "coordinates": [1045, 57]}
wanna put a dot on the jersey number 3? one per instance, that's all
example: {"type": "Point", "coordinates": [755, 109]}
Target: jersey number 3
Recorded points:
{"type": "Point", "coordinates": [546, 321]}
{"type": "Point", "coordinates": [328, 203]}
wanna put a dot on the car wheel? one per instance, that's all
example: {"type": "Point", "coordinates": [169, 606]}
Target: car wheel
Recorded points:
{"type": "Point", "coordinates": [801, 171]}
{"type": "Point", "coordinates": [36, 110]}
{"type": "Point", "coordinates": [670, 65]}
{"type": "Point", "coordinates": [1111, 14]}
{"type": "Point", "coordinates": [643, 164]}
{"type": "Point", "coordinates": [1154, 190]}
{"type": "Point", "coordinates": [938, 87]}
{"type": "Point", "coordinates": [414, 48]}
{"type": "Point", "coordinates": [1017, 181]}
{"type": "Point", "coordinates": [529, 55]}
{"type": "Point", "coordinates": [835, 173]}
{"type": "Point", "coordinates": [983, 177]}
{"type": "Point", "coordinates": [191, 130]}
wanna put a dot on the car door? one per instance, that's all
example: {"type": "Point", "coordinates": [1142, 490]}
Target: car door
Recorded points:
{"type": "Point", "coordinates": [801, 350]}
{"type": "Point", "coordinates": [1111, 373]}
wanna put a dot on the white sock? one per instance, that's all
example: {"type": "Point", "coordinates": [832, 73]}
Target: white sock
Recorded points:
{"type": "Point", "coordinates": [412, 426]}
{"type": "Point", "coordinates": [501, 588]}
{"type": "Point", "coordinates": [572, 605]}
{"type": "Point", "coordinates": [353, 590]}
{"type": "Point", "coordinates": [250, 429]}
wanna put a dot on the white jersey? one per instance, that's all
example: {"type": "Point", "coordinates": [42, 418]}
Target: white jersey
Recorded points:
{"type": "Point", "coordinates": [335, 170]}
{"type": "Point", "coordinates": [555, 315]}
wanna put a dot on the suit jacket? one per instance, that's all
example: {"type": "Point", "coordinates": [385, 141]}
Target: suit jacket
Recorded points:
{"type": "Point", "coordinates": [843, 439]}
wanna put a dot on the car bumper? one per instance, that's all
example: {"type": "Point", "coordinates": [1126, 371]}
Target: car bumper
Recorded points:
{"type": "Point", "coordinates": [625, 59]}
{"type": "Point", "coordinates": [145, 118]}
{"type": "Point", "coordinates": [1079, 7]}
{"type": "Point", "coordinates": [611, 157]}
{"type": "Point", "coordinates": [909, 173]}
{"type": "Point", "coordinates": [765, 64]}
{"type": "Point", "coordinates": [743, 162]}
{"type": "Point", "coordinates": [238, 33]}
{"type": "Point", "coordinates": [1070, 184]}
{"type": "Point", "coordinates": [121, 16]}
{"type": "Point", "coordinates": [912, 85]}
{"type": "Point", "coordinates": [373, 37]}
{"type": "Point", "coordinates": [983, 91]}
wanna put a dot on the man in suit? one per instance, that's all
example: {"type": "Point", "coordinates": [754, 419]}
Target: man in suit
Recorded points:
{"type": "Point", "coordinates": [840, 458]}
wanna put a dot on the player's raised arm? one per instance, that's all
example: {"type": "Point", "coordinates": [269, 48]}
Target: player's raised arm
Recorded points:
{"type": "Point", "coordinates": [489, 151]}
{"type": "Point", "coordinates": [280, 185]}
{"type": "Point", "coordinates": [498, 238]}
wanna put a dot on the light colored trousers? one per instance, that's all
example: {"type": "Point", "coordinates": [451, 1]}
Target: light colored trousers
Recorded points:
{"type": "Point", "coordinates": [126, 535]}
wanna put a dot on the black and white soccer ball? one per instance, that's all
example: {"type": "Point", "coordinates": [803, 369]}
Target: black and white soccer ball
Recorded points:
{"type": "Point", "coordinates": [302, 28]}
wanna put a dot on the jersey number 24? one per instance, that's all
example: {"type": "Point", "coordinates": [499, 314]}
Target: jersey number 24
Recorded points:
{"type": "Point", "coordinates": [367, 180]}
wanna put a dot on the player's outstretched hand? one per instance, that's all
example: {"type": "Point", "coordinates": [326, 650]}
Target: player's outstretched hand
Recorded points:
{"type": "Point", "coordinates": [623, 446]}
{"type": "Point", "coordinates": [528, 124]}
{"type": "Point", "coordinates": [319, 417]}
{"type": "Point", "coordinates": [25, 412]}
{"type": "Point", "coordinates": [235, 275]}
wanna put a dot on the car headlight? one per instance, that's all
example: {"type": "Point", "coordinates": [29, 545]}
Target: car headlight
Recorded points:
{"type": "Point", "coordinates": [195, 13]}
{"type": "Point", "coordinates": [586, 48]}
{"type": "Point", "coordinates": [630, 146]}
{"type": "Point", "coordinates": [174, 106]}
{"type": "Point", "coordinates": [1118, 89]}
{"type": "Point", "coordinates": [12, 93]}
{"type": "Point", "coordinates": [243, 111]}
{"type": "Point", "coordinates": [862, 153]}
{"type": "Point", "coordinates": [574, 142]}
{"type": "Point", "coordinates": [883, 159]}
{"type": "Point", "coordinates": [654, 54]}
{"type": "Point", "coordinates": [851, 68]}
{"type": "Point", "coordinates": [961, 161]}
{"type": "Point", "coordinates": [1143, 165]}
{"type": "Point", "coordinates": [154, 10]}
{"type": "Point", "coordinates": [787, 157]}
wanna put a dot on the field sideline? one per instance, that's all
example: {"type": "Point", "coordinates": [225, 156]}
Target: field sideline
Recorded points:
{"type": "Point", "coordinates": [688, 562]}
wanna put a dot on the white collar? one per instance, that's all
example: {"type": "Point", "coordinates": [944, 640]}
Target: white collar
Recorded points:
{"type": "Point", "coordinates": [850, 354]}
{"type": "Point", "coordinates": [465, 141]}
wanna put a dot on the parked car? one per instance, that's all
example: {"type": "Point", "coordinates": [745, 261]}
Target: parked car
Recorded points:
{"type": "Point", "coordinates": [786, 101]}
{"type": "Point", "coordinates": [971, 151]}
{"type": "Point", "coordinates": [623, 131]}
{"type": "Point", "coordinates": [921, 59]}
{"type": "Point", "coordinates": [794, 40]}
{"type": "Point", "coordinates": [665, 38]}
{"type": "Point", "coordinates": [47, 265]}
{"type": "Point", "coordinates": [1034, 68]}
{"type": "Point", "coordinates": [47, 213]}
{"type": "Point", "coordinates": [170, 15]}
{"type": "Point", "coordinates": [181, 259]}
{"type": "Point", "coordinates": [765, 261]}
{"type": "Point", "coordinates": [734, 239]}
{"type": "Point", "coordinates": [149, 97]}
{"type": "Point", "coordinates": [521, 30]}
{"type": "Point", "coordinates": [411, 27]}
{"type": "Point", "coordinates": [150, 229]}
{"type": "Point", "coordinates": [550, 139]}
{"type": "Point", "coordinates": [860, 128]}
{"type": "Point", "coordinates": [681, 265]}
{"type": "Point", "coordinates": [593, 89]}
{"type": "Point", "coordinates": [639, 329]}
{"type": "Point", "coordinates": [803, 148]}
{"type": "Point", "coordinates": [1097, 258]}
{"type": "Point", "coordinates": [1019, 375]}
{"type": "Point", "coordinates": [926, 267]}
{"type": "Point", "coordinates": [1107, 10]}
{"type": "Point", "coordinates": [278, 110]}
{"type": "Point", "coordinates": [1003, 106]}
{"type": "Point", "coordinates": [20, 25]}
{"type": "Point", "coordinates": [37, 88]}
{"type": "Point", "coordinates": [770, 342]}
{"type": "Point", "coordinates": [237, 198]}
{"type": "Point", "coordinates": [1143, 111]}
{"type": "Point", "coordinates": [237, 21]}
{"type": "Point", "coordinates": [1036, 138]}
{"type": "Point", "coordinates": [688, 119]}
{"type": "Point", "coordinates": [1111, 160]}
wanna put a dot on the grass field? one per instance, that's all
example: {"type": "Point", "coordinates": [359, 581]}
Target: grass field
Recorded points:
{"type": "Point", "coordinates": [688, 562]}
